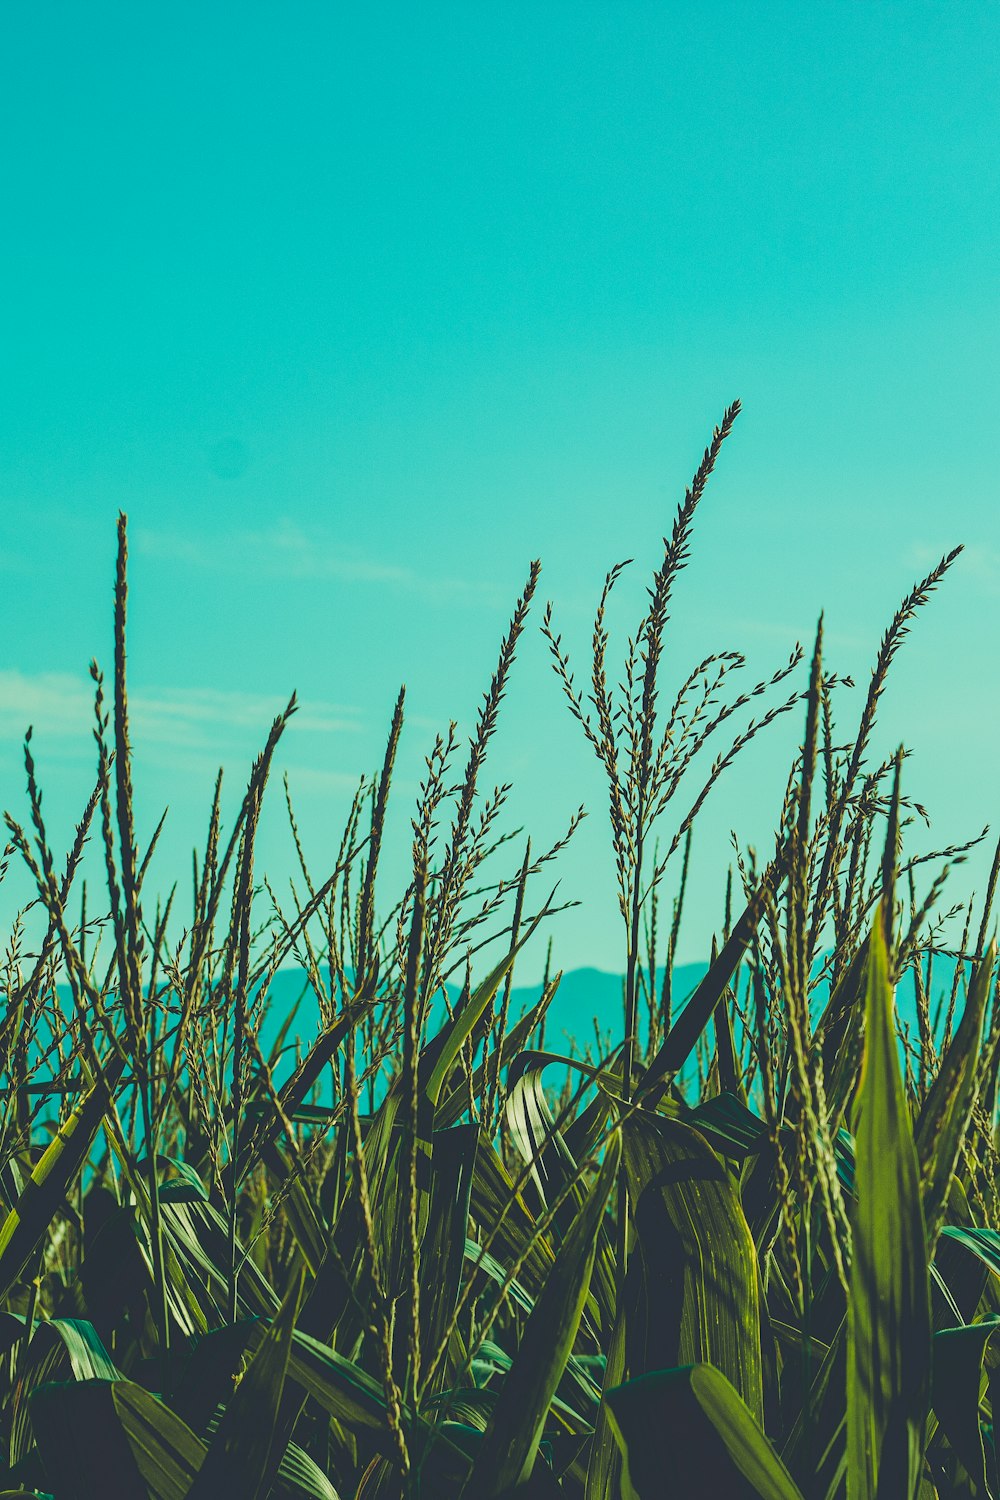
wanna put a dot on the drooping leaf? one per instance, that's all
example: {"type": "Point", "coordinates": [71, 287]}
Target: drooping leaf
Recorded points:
{"type": "Point", "coordinates": [454, 1102]}
{"type": "Point", "coordinates": [166, 1452]}
{"type": "Point", "coordinates": [693, 1291]}
{"type": "Point", "coordinates": [686, 1432]}
{"type": "Point", "coordinates": [60, 1349]}
{"type": "Point", "coordinates": [553, 1167]}
{"type": "Point", "coordinates": [113, 1439]}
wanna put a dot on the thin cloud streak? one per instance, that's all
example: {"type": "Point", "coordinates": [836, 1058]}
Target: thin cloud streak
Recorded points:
{"type": "Point", "coordinates": [287, 550]}
{"type": "Point", "coordinates": [59, 705]}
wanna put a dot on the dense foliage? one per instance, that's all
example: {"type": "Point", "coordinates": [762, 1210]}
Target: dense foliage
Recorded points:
{"type": "Point", "coordinates": [752, 1250]}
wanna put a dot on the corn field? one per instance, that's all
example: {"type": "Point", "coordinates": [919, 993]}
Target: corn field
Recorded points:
{"type": "Point", "coordinates": [751, 1250]}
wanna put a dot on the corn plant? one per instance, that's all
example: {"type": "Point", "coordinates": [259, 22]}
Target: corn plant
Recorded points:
{"type": "Point", "coordinates": [750, 1248]}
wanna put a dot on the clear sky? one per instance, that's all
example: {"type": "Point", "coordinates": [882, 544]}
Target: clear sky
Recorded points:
{"type": "Point", "coordinates": [356, 309]}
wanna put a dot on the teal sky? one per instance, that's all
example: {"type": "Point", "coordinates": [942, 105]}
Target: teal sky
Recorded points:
{"type": "Point", "coordinates": [357, 309]}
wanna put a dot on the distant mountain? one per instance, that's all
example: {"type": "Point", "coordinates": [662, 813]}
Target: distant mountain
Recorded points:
{"type": "Point", "coordinates": [584, 997]}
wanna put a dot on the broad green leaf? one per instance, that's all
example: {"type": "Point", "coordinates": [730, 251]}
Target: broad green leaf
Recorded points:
{"type": "Point", "coordinates": [166, 1452]}
{"type": "Point", "coordinates": [114, 1440]}
{"type": "Point", "coordinates": [889, 1320]}
{"type": "Point", "coordinates": [510, 1444]}
{"type": "Point", "coordinates": [305, 1475]}
{"type": "Point", "coordinates": [693, 1290]}
{"type": "Point", "coordinates": [956, 1392]}
{"type": "Point", "coordinates": [686, 1432]}
{"type": "Point", "coordinates": [728, 1125]}
{"type": "Point", "coordinates": [241, 1459]}
{"type": "Point", "coordinates": [342, 1388]}
{"type": "Point", "coordinates": [356, 1400]}
{"type": "Point", "coordinates": [59, 1349]}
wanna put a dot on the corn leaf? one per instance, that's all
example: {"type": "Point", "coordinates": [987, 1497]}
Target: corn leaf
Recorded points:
{"type": "Point", "coordinates": [888, 1325]}
{"type": "Point", "coordinates": [439, 1057]}
{"type": "Point", "coordinates": [113, 1439]}
{"type": "Point", "coordinates": [957, 1389]}
{"type": "Point", "coordinates": [689, 1427]}
{"type": "Point", "coordinates": [947, 1110]}
{"type": "Point", "coordinates": [693, 1293]}
{"type": "Point", "coordinates": [510, 1444]}
{"type": "Point", "coordinates": [680, 1041]}
{"type": "Point", "coordinates": [241, 1459]}
{"type": "Point", "coordinates": [50, 1180]}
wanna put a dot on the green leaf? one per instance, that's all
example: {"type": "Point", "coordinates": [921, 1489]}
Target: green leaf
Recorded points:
{"type": "Point", "coordinates": [698, 1012]}
{"type": "Point", "coordinates": [729, 1126]}
{"type": "Point", "coordinates": [693, 1291]}
{"type": "Point", "coordinates": [440, 1055]}
{"type": "Point", "coordinates": [453, 1105]}
{"type": "Point", "coordinates": [947, 1110]}
{"type": "Point", "coordinates": [604, 1467]}
{"type": "Point", "coordinates": [553, 1166]}
{"type": "Point", "coordinates": [294, 1093]}
{"type": "Point", "coordinates": [300, 1471]}
{"type": "Point", "coordinates": [502, 1214]}
{"type": "Point", "coordinates": [443, 1239]}
{"type": "Point", "coordinates": [342, 1388]}
{"type": "Point", "coordinates": [241, 1459]}
{"type": "Point", "coordinates": [166, 1452]}
{"type": "Point", "coordinates": [957, 1391]}
{"type": "Point", "coordinates": [61, 1349]}
{"type": "Point", "coordinates": [50, 1180]}
{"type": "Point", "coordinates": [510, 1444]}
{"type": "Point", "coordinates": [889, 1319]}
{"type": "Point", "coordinates": [115, 1440]}
{"type": "Point", "coordinates": [687, 1433]}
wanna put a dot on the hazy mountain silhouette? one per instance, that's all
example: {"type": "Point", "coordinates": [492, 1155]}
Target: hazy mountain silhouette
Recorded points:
{"type": "Point", "coordinates": [584, 996]}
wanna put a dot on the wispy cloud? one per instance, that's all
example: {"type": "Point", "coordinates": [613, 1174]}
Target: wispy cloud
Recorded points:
{"type": "Point", "coordinates": [59, 705]}
{"type": "Point", "coordinates": [287, 550]}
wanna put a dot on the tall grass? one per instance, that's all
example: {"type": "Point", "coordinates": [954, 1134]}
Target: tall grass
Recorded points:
{"type": "Point", "coordinates": [752, 1249]}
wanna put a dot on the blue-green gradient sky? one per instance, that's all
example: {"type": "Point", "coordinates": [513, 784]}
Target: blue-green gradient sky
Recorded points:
{"type": "Point", "coordinates": [355, 309]}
